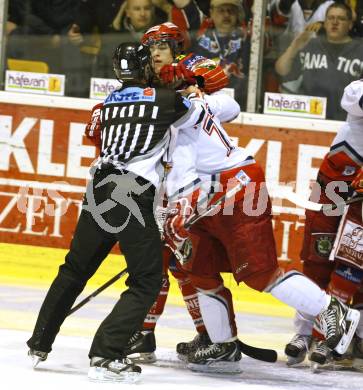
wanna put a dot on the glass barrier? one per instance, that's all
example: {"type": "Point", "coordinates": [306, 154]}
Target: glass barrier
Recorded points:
{"type": "Point", "coordinates": [306, 52]}
{"type": "Point", "coordinates": [77, 38]}
{"type": "Point", "coordinates": [311, 53]}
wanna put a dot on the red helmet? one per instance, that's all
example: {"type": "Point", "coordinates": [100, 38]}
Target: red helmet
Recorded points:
{"type": "Point", "coordinates": [166, 32]}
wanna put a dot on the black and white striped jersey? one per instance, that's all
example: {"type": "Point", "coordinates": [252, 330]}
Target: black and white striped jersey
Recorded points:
{"type": "Point", "coordinates": [135, 126]}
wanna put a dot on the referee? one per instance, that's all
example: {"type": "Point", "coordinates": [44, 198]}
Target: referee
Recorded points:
{"type": "Point", "coordinates": [118, 207]}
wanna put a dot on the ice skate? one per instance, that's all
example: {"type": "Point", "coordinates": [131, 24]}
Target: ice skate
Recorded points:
{"type": "Point", "coordinates": [185, 348]}
{"type": "Point", "coordinates": [338, 324]}
{"type": "Point", "coordinates": [141, 347]}
{"type": "Point", "coordinates": [217, 358]}
{"type": "Point", "coordinates": [320, 355]}
{"type": "Point", "coordinates": [297, 349]}
{"type": "Point", "coordinates": [109, 370]}
{"type": "Point", "coordinates": [37, 356]}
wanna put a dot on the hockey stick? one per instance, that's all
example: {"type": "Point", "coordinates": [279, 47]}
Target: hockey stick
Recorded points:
{"type": "Point", "coordinates": [98, 291]}
{"type": "Point", "coordinates": [298, 200]}
{"type": "Point", "coordinates": [263, 354]}
{"type": "Point", "coordinates": [229, 194]}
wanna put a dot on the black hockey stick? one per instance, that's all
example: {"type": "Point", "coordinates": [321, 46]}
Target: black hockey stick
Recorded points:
{"type": "Point", "coordinates": [99, 290]}
{"type": "Point", "coordinates": [263, 354]}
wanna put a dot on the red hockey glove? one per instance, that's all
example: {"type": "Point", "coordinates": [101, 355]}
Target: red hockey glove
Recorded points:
{"type": "Point", "coordinates": [357, 183]}
{"type": "Point", "coordinates": [93, 128]}
{"type": "Point", "coordinates": [212, 80]}
{"type": "Point", "coordinates": [180, 212]}
{"type": "Point", "coordinates": [176, 72]}
{"type": "Point", "coordinates": [175, 230]}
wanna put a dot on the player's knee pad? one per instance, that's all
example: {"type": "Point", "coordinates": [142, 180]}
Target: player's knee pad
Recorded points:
{"type": "Point", "coordinates": [262, 280]}
{"type": "Point", "coordinates": [203, 283]}
{"type": "Point", "coordinates": [345, 282]}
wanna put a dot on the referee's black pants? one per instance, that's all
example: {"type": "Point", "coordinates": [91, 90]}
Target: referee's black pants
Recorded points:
{"type": "Point", "coordinates": [92, 241]}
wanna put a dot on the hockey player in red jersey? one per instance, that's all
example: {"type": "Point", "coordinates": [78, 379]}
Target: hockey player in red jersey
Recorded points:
{"type": "Point", "coordinates": [343, 275]}
{"type": "Point", "coordinates": [239, 239]}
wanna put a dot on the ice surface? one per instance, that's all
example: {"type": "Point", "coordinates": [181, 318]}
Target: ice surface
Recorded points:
{"type": "Point", "coordinates": [67, 365]}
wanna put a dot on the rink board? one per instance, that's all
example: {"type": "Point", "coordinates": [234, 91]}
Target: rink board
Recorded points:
{"type": "Point", "coordinates": [44, 163]}
{"type": "Point", "coordinates": [25, 265]}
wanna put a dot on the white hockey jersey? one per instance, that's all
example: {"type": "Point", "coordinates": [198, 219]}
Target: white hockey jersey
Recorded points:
{"type": "Point", "coordinates": [207, 150]}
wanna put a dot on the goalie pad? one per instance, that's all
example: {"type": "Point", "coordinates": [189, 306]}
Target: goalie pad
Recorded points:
{"type": "Point", "coordinates": [348, 246]}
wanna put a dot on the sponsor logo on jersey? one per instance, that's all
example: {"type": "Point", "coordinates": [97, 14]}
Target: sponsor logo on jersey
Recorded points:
{"type": "Point", "coordinates": [130, 95]}
{"type": "Point", "coordinates": [193, 60]}
{"type": "Point", "coordinates": [324, 245]}
{"type": "Point", "coordinates": [354, 275]}
{"type": "Point", "coordinates": [149, 92]}
{"type": "Point", "coordinates": [242, 177]}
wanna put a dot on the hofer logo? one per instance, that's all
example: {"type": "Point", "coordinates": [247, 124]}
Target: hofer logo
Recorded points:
{"type": "Point", "coordinates": [40, 83]}
{"type": "Point", "coordinates": [295, 105]}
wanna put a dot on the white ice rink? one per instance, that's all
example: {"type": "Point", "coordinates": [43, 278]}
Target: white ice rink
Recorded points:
{"type": "Point", "coordinates": [67, 364]}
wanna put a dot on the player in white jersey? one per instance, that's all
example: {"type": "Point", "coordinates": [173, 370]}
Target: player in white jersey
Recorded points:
{"type": "Point", "coordinates": [238, 239]}
{"type": "Point", "coordinates": [342, 277]}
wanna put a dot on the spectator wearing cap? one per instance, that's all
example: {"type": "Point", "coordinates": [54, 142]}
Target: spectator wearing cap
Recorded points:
{"type": "Point", "coordinates": [221, 37]}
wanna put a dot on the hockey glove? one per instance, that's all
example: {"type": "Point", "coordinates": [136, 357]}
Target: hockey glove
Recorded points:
{"type": "Point", "coordinates": [357, 183]}
{"type": "Point", "coordinates": [170, 74]}
{"type": "Point", "coordinates": [93, 128]}
{"type": "Point", "coordinates": [180, 212]}
{"type": "Point", "coordinates": [211, 79]}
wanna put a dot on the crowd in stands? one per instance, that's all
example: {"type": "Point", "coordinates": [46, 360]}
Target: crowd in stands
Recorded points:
{"type": "Point", "coordinates": [308, 43]}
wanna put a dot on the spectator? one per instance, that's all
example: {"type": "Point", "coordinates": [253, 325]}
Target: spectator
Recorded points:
{"type": "Point", "coordinates": [302, 14]}
{"type": "Point", "coordinates": [117, 22]}
{"type": "Point", "coordinates": [222, 37]}
{"type": "Point", "coordinates": [36, 27]}
{"type": "Point", "coordinates": [325, 63]}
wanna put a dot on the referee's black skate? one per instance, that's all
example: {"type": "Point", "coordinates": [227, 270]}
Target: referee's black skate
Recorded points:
{"type": "Point", "coordinates": [338, 323]}
{"type": "Point", "coordinates": [185, 348]}
{"type": "Point", "coordinates": [141, 347]}
{"type": "Point", "coordinates": [37, 356]}
{"type": "Point", "coordinates": [113, 370]}
{"type": "Point", "coordinates": [297, 349]}
{"type": "Point", "coordinates": [217, 358]}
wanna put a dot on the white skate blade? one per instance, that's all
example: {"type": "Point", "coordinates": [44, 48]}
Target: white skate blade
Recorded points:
{"type": "Point", "coordinates": [293, 361]}
{"type": "Point", "coordinates": [218, 367]}
{"type": "Point", "coordinates": [314, 367]}
{"type": "Point", "coordinates": [144, 357]}
{"type": "Point", "coordinates": [353, 317]}
{"type": "Point", "coordinates": [101, 374]}
{"type": "Point", "coordinates": [35, 361]}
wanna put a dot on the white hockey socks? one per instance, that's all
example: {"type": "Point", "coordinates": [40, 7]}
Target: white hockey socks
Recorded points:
{"type": "Point", "coordinates": [299, 292]}
{"type": "Point", "coordinates": [214, 311]}
{"type": "Point", "coordinates": [303, 323]}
